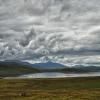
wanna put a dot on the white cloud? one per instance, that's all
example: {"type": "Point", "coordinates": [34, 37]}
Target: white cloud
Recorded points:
{"type": "Point", "coordinates": [65, 31]}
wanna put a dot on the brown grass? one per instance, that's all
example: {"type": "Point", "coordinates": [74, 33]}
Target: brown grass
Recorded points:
{"type": "Point", "coordinates": [50, 89]}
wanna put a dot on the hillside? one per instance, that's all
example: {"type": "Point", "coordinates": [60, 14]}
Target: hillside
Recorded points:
{"type": "Point", "coordinates": [48, 66]}
{"type": "Point", "coordinates": [14, 68]}
{"type": "Point", "coordinates": [82, 69]}
{"type": "Point", "coordinates": [57, 67]}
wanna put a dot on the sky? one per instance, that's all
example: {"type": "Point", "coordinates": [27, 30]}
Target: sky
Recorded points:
{"type": "Point", "coordinates": [63, 31]}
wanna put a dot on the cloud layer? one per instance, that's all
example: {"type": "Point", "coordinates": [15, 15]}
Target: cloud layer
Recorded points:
{"type": "Point", "coordinates": [65, 31]}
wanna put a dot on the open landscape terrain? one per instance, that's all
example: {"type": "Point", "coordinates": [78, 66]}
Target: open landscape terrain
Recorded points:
{"type": "Point", "coordinates": [49, 49]}
{"type": "Point", "coordinates": [25, 81]}
{"type": "Point", "coordinates": [50, 89]}
{"type": "Point", "coordinates": [17, 68]}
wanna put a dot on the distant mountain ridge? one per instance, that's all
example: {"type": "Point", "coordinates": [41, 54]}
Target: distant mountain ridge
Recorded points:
{"type": "Point", "coordinates": [15, 68]}
{"type": "Point", "coordinates": [49, 65]}
{"type": "Point", "coordinates": [46, 65]}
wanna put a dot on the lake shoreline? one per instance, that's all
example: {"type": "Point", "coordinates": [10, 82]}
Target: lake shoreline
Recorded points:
{"type": "Point", "coordinates": [53, 75]}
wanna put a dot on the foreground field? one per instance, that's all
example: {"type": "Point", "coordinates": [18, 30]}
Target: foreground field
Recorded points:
{"type": "Point", "coordinates": [50, 89]}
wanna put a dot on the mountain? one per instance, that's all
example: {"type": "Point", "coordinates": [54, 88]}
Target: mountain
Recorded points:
{"type": "Point", "coordinates": [49, 65]}
{"type": "Point", "coordinates": [15, 68]}
{"type": "Point", "coordinates": [56, 67]}
{"type": "Point", "coordinates": [82, 69]}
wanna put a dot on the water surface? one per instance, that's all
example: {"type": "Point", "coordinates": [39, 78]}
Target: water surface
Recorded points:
{"type": "Point", "coordinates": [58, 75]}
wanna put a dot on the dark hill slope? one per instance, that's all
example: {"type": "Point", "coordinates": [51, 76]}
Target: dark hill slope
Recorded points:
{"type": "Point", "coordinates": [13, 68]}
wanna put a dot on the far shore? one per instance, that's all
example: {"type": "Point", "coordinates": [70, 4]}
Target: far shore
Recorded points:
{"type": "Point", "coordinates": [53, 75]}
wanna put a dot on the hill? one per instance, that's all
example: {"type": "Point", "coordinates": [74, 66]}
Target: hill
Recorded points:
{"type": "Point", "coordinates": [48, 66]}
{"type": "Point", "coordinates": [57, 67]}
{"type": "Point", "coordinates": [15, 68]}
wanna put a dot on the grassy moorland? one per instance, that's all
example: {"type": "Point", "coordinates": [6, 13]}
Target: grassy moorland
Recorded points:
{"type": "Point", "coordinates": [50, 89]}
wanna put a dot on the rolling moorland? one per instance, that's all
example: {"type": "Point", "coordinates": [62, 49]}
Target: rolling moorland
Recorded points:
{"type": "Point", "coordinates": [79, 88]}
{"type": "Point", "coordinates": [50, 89]}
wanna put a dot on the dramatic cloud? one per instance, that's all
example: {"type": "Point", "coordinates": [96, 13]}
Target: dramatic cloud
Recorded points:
{"type": "Point", "coordinates": [65, 31]}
